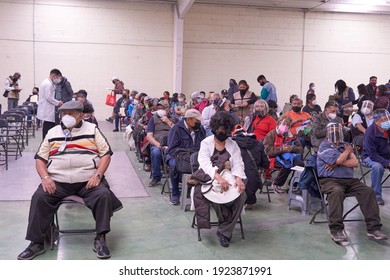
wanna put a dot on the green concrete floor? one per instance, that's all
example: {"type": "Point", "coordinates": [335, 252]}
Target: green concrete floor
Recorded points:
{"type": "Point", "coordinates": [149, 228]}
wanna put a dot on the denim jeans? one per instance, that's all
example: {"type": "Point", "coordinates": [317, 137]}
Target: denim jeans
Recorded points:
{"type": "Point", "coordinates": [117, 121]}
{"type": "Point", "coordinates": [377, 171]}
{"type": "Point", "coordinates": [175, 177]}
{"type": "Point", "coordinates": [156, 159]}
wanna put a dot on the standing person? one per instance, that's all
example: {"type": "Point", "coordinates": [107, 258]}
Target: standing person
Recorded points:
{"type": "Point", "coordinates": [233, 88]}
{"type": "Point", "coordinates": [63, 92]}
{"type": "Point", "coordinates": [118, 89]}
{"type": "Point", "coordinates": [47, 102]}
{"type": "Point", "coordinates": [33, 99]}
{"type": "Point", "coordinates": [62, 176]}
{"type": "Point", "coordinates": [122, 102]}
{"type": "Point", "coordinates": [371, 88]}
{"type": "Point", "coordinates": [335, 164]}
{"type": "Point", "coordinates": [311, 106]}
{"type": "Point", "coordinates": [243, 101]}
{"type": "Point", "coordinates": [12, 90]}
{"type": "Point", "coordinates": [269, 90]}
{"type": "Point", "coordinates": [311, 89]}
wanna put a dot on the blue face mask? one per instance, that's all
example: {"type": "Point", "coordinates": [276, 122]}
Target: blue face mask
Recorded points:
{"type": "Point", "coordinates": [231, 84]}
{"type": "Point", "coordinates": [385, 125]}
{"type": "Point", "coordinates": [216, 101]}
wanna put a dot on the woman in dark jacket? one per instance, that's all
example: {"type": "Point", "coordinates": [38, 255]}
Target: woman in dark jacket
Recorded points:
{"type": "Point", "coordinates": [254, 157]}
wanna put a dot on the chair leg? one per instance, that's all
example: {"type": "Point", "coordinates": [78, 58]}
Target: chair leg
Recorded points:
{"type": "Point", "coordinates": [242, 229]}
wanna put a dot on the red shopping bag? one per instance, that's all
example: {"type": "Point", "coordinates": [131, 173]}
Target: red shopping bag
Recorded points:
{"type": "Point", "coordinates": [111, 99]}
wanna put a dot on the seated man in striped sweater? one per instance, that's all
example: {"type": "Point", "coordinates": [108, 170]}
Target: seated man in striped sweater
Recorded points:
{"type": "Point", "coordinates": [71, 160]}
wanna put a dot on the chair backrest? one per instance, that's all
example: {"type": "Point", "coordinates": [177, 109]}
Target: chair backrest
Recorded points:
{"type": "Point", "coordinates": [3, 122]}
{"type": "Point", "coordinates": [13, 117]}
{"type": "Point", "coordinates": [194, 162]}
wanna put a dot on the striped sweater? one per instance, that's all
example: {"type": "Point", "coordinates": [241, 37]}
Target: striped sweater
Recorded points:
{"type": "Point", "coordinates": [73, 157]}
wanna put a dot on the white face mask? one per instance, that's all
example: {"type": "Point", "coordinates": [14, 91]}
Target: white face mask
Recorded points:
{"type": "Point", "coordinates": [68, 121]}
{"type": "Point", "coordinates": [365, 111]}
{"type": "Point", "coordinates": [161, 113]}
{"type": "Point", "coordinates": [313, 88]}
{"type": "Point", "coordinates": [181, 99]}
{"type": "Point", "coordinates": [332, 116]}
{"type": "Point", "coordinates": [314, 102]}
{"type": "Point", "coordinates": [57, 81]}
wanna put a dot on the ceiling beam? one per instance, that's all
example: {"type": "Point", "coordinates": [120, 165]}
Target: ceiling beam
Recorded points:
{"type": "Point", "coordinates": [183, 6]}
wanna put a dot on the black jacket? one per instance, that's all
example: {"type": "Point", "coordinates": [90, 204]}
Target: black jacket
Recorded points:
{"type": "Point", "coordinates": [254, 157]}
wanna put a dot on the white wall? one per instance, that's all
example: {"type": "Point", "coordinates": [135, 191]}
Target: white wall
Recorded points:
{"type": "Point", "coordinates": [91, 41]}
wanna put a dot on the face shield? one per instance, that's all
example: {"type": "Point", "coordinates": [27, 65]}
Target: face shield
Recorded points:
{"type": "Point", "coordinates": [382, 118]}
{"type": "Point", "coordinates": [367, 107]}
{"type": "Point", "coordinates": [334, 133]}
{"type": "Point", "coordinates": [282, 128]}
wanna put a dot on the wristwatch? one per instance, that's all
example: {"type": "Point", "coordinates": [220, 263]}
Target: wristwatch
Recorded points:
{"type": "Point", "coordinates": [98, 175]}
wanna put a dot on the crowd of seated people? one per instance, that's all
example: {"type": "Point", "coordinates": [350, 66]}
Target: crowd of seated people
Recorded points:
{"type": "Point", "coordinates": [266, 139]}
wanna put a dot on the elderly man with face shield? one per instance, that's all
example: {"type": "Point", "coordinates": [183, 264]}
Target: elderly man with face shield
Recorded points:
{"type": "Point", "coordinates": [335, 166]}
{"type": "Point", "coordinates": [376, 150]}
{"type": "Point", "coordinates": [320, 121]}
{"type": "Point", "coordinates": [361, 120]}
{"type": "Point", "coordinates": [284, 151]}
{"type": "Point", "coordinates": [71, 160]}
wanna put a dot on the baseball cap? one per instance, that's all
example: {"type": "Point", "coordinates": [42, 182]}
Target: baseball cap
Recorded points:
{"type": "Point", "coordinates": [195, 95]}
{"type": "Point", "coordinates": [193, 113]}
{"type": "Point", "coordinates": [162, 103]}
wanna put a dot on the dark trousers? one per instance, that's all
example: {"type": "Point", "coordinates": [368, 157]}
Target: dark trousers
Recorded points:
{"type": "Point", "coordinates": [43, 206]}
{"type": "Point", "coordinates": [46, 127]}
{"type": "Point", "coordinates": [338, 189]}
{"type": "Point", "coordinates": [228, 214]}
{"type": "Point", "coordinates": [284, 172]}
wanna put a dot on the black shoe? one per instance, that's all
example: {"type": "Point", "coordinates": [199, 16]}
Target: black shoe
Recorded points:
{"type": "Point", "coordinates": [101, 249]}
{"type": "Point", "coordinates": [154, 182]}
{"type": "Point", "coordinates": [33, 250]}
{"type": "Point", "coordinates": [223, 240]}
{"type": "Point", "coordinates": [110, 120]}
{"type": "Point", "coordinates": [115, 130]}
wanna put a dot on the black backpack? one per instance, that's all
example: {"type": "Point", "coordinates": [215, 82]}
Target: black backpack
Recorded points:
{"type": "Point", "coordinates": [183, 159]}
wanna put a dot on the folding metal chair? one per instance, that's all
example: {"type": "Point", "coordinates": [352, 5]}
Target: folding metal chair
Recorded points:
{"type": "Point", "coordinates": [185, 188]}
{"type": "Point", "coordinates": [3, 144]}
{"type": "Point", "coordinates": [194, 224]}
{"type": "Point", "coordinates": [55, 229]}
{"type": "Point", "coordinates": [11, 132]}
{"type": "Point", "coordinates": [324, 204]}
